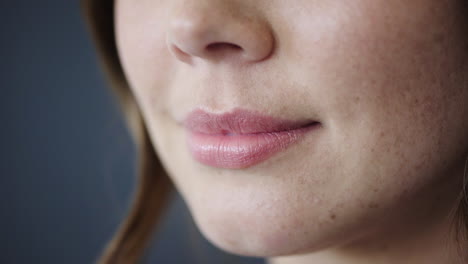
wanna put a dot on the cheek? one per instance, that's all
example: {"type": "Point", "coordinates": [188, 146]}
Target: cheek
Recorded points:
{"type": "Point", "coordinates": [146, 61]}
{"type": "Point", "coordinates": [390, 82]}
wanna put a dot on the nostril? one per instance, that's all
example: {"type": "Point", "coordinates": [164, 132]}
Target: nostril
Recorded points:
{"type": "Point", "coordinates": [222, 46]}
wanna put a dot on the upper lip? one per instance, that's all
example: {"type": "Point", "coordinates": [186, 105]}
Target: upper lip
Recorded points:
{"type": "Point", "coordinates": [238, 122]}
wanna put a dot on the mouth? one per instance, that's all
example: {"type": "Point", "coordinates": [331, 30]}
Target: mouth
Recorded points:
{"type": "Point", "coordinates": [241, 138]}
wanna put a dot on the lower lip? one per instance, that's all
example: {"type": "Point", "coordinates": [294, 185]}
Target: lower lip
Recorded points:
{"type": "Point", "coordinates": [242, 151]}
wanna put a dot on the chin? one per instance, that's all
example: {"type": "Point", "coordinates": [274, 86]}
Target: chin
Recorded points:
{"type": "Point", "coordinates": [264, 231]}
{"type": "Point", "coordinates": [262, 240]}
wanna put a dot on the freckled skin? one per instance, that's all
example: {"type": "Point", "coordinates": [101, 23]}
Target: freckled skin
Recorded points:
{"type": "Point", "coordinates": [388, 81]}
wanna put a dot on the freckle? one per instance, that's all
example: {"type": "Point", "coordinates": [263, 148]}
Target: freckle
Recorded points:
{"type": "Point", "coordinates": [357, 99]}
{"type": "Point", "coordinates": [376, 190]}
{"type": "Point", "coordinates": [332, 216]}
{"type": "Point", "coordinates": [384, 247]}
{"type": "Point", "coordinates": [439, 37]}
{"type": "Point", "coordinates": [382, 134]}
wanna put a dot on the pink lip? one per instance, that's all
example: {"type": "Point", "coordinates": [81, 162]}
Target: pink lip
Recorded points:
{"type": "Point", "coordinates": [241, 138]}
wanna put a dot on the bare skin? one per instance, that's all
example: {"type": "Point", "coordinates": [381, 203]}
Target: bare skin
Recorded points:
{"type": "Point", "coordinates": [387, 80]}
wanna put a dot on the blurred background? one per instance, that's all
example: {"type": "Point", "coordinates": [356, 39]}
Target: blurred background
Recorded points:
{"type": "Point", "coordinates": [67, 163]}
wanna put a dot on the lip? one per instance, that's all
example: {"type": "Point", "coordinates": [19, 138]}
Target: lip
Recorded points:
{"type": "Point", "coordinates": [241, 138]}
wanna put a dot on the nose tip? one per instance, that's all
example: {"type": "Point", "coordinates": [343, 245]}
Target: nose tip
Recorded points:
{"type": "Point", "coordinates": [215, 35]}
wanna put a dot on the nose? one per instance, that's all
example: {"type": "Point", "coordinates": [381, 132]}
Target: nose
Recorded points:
{"type": "Point", "coordinates": [216, 30]}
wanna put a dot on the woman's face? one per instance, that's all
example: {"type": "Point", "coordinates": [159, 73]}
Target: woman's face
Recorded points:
{"type": "Point", "coordinates": [386, 80]}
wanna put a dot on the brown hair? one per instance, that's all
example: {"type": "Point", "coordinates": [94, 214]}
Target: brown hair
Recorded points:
{"type": "Point", "coordinates": [154, 186]}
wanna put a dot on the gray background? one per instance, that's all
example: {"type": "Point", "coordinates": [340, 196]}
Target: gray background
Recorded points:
{"type": "Point", "coordinates": [67, 162]}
